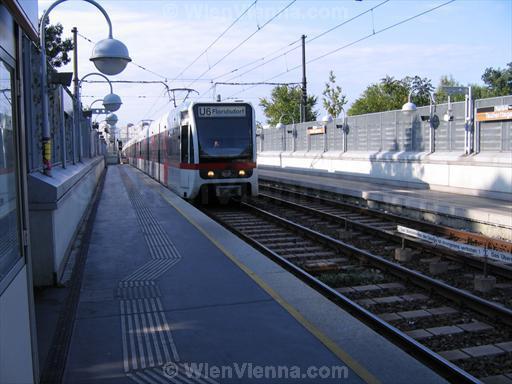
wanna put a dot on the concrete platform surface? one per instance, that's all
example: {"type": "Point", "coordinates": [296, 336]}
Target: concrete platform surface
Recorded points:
{"type": "Point", "coordinates": [494, 212]}
{"type": "Point", "coordinates": [170, 296]}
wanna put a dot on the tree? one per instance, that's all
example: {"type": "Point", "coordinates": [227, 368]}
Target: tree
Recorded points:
{"type": "Point", "coordinates": [480, 91]}
{"type": "Point", "coordinates": [285, 101]}
{"type": "Point", "coordinates": [391, 94]}
{"type": "Point", "coordinates": [57, 48]}
{"type": "Point", "coordinates": [333, 99]}
{"type": "Point", "coordinates": [498, 81]}
{"type": "Point", "coordinates": [387, 95]}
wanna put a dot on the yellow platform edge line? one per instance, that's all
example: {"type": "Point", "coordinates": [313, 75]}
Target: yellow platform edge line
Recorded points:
{"type": "Point", "coordinates": [345, 357]}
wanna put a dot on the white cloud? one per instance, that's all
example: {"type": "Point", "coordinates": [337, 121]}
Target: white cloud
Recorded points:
{"type": "Point", "coordinates": [165, 36]}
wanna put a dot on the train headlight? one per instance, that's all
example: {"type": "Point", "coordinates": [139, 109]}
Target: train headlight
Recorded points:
{"type": "Point", "coordinates": [211, 174]}
{"type": "Point", "coordinates": [241, 173]}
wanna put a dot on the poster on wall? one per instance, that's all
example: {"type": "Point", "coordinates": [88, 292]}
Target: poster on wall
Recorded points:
{"type": "Point", "coordinates": [316, 130]}
{"type": "Point", "coordinates": [494, 113]}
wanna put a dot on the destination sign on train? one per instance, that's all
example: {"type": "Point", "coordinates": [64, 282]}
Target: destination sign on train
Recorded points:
{"type": "Point", "coordinates": [221, 111]}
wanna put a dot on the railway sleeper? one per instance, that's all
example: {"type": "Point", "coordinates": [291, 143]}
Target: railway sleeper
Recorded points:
{"type": "Point", "coordinates": [274, 242]}
{"type": "Point", "coordinates": [418, 313]}
{"type": "Point", "coordinates": [477, 352]}
{"type": "Point", "coordinates": [393, 299]}
{"type": "Point", "coordinates": [300, 250]}
{"type": "Point", "coordinates": [314, 255]}
{"type": "Point", "coordinates": [267, 229]}
{"type": "Point", "coordinates": [273, 235]}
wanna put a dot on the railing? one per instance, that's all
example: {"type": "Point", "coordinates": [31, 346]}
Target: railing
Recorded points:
{"type": "Point", "coordinates": [64, 138]}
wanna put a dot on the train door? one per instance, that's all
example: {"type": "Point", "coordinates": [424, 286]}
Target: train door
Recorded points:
{"type": "Point", "coordinates": [148, 156]}
{"type": "Point", "coordinates": [158, 158]}
{"type": "Point", "coordinates": [185, 155]}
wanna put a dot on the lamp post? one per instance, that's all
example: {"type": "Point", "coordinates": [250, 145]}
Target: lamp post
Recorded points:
{"type": "Point", "coordinates": [281, 126]}
{"type": "Point", "coordinates": [111, 102]}
{"type": "Point", "coordinates": [111, 119]}
{"type": "Point", "coordinates": [110, 128]}
{"type": "Point", "coordinates": [469, 142]}
{"type": "Point", "coordinates": [344, 128]}
{"type": "Point", "coordinates": [410, 108]}
{"type": "Point", "coordinates": [110, 56]}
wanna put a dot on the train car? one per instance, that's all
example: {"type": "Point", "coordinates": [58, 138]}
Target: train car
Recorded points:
{"type": "Point", "coordinates": [200, 151]}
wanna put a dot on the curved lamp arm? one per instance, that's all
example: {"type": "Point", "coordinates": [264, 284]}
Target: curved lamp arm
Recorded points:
{"type": "Point", "coordinates": [98, 74]}
{"type": "Point", "coordinates": [430, 94]}
{"type": "Point", "coordinates": [46, 136]}
{"type": "Point", "coordinates": [286, 114]}
{"type": "Point", "coordinates": [94, 102]}
{"type": "Point", "coordinates": [42, 32]}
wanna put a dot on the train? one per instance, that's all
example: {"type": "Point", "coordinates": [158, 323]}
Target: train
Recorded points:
{"type": "Point", "coordinates": [202, 151]}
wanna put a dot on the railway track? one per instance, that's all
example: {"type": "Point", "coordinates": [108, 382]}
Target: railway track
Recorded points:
{"type": "Point", "coordinates": [461, 335]}
{"type": "Point", "coordinates": [373, 230]}
{"type": "Point", "coordinates": [336, 201]}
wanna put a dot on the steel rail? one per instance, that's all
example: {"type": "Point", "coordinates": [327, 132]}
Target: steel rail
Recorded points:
{"type": "Point", "coordinates": [440, 365]}
{"type": "Point", "coordinates": [501, 245]}
{"type": "Point", "coordinates": [484, 307]}
{"type": "Point", "coordinates": [493, 267]}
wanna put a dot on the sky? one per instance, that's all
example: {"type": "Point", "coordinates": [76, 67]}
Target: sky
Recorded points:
{"type": "Point", "coordinates": [460, 39]}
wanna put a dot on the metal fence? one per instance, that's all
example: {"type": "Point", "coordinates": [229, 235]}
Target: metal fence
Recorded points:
{"type": "Point", "coordinates": [393, 131]}
{"type": "Point", "coordinates": [67, 148]}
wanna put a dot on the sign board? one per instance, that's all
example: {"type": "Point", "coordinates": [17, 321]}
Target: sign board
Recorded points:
{"type": "Point", "coordinates": [503, 257]}
{"type": "Point", "coordinates": [316, 130]}
{"type": "Point", "coordinates": [216, 111]}
{"type": "Point", "coordinates": [455, 90]}
{"type": "Point", "coordinates": [495, 113]}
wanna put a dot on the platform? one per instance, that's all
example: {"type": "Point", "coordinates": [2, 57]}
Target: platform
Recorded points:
{"type": "Point", "coordinates": [473, 212]}
{"type": "Point", "coordinates": [165, 288]}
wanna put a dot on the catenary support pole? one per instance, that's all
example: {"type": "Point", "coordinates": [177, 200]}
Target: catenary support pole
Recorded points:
{"type": "Point", "coordinates": [304, 82]}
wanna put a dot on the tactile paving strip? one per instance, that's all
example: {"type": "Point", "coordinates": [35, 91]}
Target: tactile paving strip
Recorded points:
{"type": "Point", "coordinates": [148, 345]}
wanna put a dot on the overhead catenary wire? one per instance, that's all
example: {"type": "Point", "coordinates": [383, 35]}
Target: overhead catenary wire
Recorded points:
{"type": "Point", "coordinates": [289, 50]}
{"type": "Point", "coordinates": [256, 83]}
{"type": "Point", "coordinates": [244, 41]}
{"type": "Point", "coordinates": [381, 30]}
{"type": "Point", "coordinates": [216, 40]}
{"type": "Point", "coordinates": [177, 78]}
{"type": "Point", "coordinates": [257, 60]}
{"type": "Point", "coordinates": [374, 33]}
{"type": "Point", "coordinates": [131, 96]}
{"type": "Point", "coordinates": [310, 40]}
{"type": "Point", "coordinates": [153, 105]}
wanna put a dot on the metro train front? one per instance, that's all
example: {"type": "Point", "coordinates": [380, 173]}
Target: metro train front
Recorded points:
{"type": "Point", "coordinates": [201, 151]}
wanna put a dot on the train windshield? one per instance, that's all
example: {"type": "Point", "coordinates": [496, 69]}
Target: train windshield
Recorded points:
{"type": "Point", "coordinates": [224, 131]}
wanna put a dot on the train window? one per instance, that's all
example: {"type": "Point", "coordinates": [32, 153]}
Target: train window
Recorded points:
{"type": "Point", "coordinates": [9, 239]}
{"type": "Point", "coordinates": [224, 135]}
{"type": "Point", "coordinates": [184, 144]}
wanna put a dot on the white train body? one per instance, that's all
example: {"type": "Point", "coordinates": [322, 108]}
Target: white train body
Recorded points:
{"type": "Point", "coordinates": [200, 151]}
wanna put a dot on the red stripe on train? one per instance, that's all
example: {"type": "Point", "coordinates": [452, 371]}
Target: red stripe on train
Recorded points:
{"type": "Point", "coordinates": [209, 166]}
